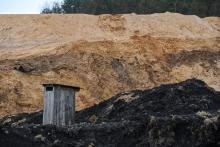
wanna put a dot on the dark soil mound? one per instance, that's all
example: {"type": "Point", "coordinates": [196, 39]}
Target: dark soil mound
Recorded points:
{"type": "Point", "coordinates": [183, 114]}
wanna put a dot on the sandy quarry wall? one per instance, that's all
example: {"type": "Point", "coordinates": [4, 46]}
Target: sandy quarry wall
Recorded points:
{"type": "Point", "coordinates": [103, 54]}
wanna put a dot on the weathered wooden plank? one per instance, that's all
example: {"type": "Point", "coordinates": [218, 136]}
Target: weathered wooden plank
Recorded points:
{"type": "Point", "coordinates": [48, 106]}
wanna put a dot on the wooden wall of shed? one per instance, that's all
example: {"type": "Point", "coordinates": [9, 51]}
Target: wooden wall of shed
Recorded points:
{"type": "Point", "coordinates": [63, 106]}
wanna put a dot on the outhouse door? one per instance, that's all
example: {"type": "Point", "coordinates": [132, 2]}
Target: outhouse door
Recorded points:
{"type": "Point", "coordinates": [48, 105]}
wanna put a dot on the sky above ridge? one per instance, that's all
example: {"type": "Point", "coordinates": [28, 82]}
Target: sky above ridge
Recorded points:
{"type": "Point", "coordinates": [23, 6]}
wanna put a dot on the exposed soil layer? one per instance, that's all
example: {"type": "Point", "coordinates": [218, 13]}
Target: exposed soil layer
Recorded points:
{"type": "Point", "coordinates": [102, 54]}
{"type": "Point", "coordinates": [183, 114]}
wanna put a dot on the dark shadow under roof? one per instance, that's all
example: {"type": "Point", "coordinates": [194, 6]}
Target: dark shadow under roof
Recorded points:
{"type": "Point", "coordinates": [61, 85]}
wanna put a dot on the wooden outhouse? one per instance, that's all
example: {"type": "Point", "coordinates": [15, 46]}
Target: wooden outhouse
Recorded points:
{"type": "Point", "coordinates": [59, 104]}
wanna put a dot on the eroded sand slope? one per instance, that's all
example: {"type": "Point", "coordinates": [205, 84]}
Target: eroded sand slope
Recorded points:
{"type": "Point", "coordinates": [103, 54]}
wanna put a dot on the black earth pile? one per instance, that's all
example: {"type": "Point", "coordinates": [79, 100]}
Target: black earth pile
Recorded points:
{"type": "Point", "coordinates": [186, 114]}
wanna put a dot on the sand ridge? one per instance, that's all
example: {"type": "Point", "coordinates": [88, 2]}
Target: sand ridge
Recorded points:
{"type": "Point", "coordinates": [103, 54]}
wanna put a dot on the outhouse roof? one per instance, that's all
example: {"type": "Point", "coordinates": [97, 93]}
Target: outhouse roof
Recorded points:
{"type": "Point", "coordinates": [61, 85]}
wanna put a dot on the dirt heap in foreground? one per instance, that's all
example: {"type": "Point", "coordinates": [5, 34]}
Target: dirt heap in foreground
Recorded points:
{"type": "Point", "coordinates": [184, 114]}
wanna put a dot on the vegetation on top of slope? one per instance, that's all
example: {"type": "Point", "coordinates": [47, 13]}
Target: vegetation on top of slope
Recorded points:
{"type": "Point", "coordinates": [196, 7]}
